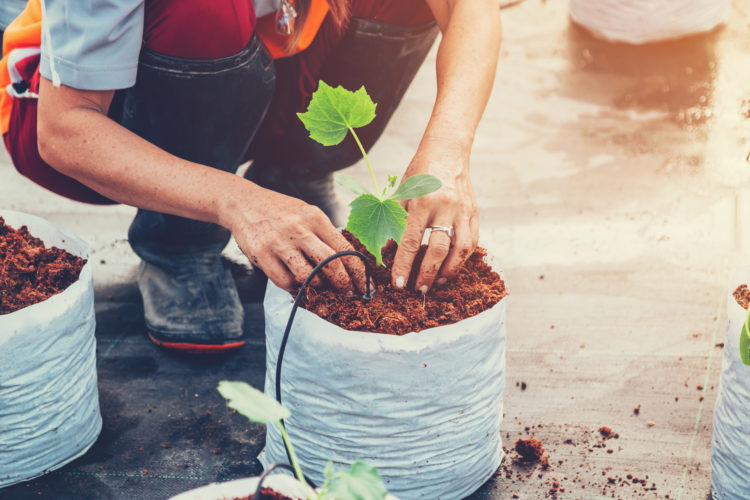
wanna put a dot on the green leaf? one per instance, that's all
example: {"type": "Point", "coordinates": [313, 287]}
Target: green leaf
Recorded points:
{"type": "Point", "coordinates": [361, 482]}
{"type": "Point", "coordinates": [251, 402]}
{"type": "Point", "coordinates": [333, 111]}
{"type": "Point", "coordinates": [350, 183]}
{"type": "Point", "coordinates": [416, 186]}
{"type": "Point", "coordinates": [392, 180]}
{"type": "Point", "coordinates": [374, 222]}
{"type": "Point", "coordinates": [745, 341]}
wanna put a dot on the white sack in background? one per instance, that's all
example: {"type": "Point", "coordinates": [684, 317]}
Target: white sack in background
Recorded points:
{"type": "Point", "coordinates": [49, 402]}
{"type": "Point", "coordinates": [645, 21]}
{"type": "Point", "coordinates": [424, 408]}
{"type": "Point", "coordinates": [730, 446]}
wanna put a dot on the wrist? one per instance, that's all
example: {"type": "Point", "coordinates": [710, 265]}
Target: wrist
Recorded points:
{"type": "Point", "coordinates": [234, 203]}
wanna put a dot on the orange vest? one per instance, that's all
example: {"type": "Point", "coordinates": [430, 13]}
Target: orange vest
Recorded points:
{"type": "Point", "coordinates": [26, 31]}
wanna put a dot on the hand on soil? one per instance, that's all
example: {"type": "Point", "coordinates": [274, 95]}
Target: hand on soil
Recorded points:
{"type": "Point", "coordinates": [286, 238]}
{"type": "Point", "coordinates": [453, 205]}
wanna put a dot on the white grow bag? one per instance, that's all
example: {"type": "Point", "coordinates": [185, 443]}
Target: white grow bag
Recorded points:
{"type": "Point", "coordinates": [424, 408]}
{"type": "Point", "coordinates": [49, 402]}
{"type": "Point", "coordinates": [644, 21]}
{"type": "Point", "coordinates": [730, 446]}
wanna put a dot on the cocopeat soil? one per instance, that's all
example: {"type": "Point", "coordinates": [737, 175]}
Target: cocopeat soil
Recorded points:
{"type": "Point", "coordinates": [31, 272]}
{"type": "Point", "coordinates": [397, 312]}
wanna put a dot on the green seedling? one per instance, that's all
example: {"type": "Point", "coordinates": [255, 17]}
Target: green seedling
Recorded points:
{"type": "Point", "coordinates": [360, 482]}
{"type": "Point", "coordinates": [376, 216]}
{"type": "Point", "coordinates": [745, 341]}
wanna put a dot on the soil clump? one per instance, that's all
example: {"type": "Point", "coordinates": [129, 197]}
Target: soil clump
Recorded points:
{"type": "Point", "coordinates": [30, 272]}
{"type": "Point", "coordinates": [397, 312]}
{"type": "Point", "coordinates": [742, 296]}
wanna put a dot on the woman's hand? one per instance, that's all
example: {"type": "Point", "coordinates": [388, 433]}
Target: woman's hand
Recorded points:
{"type": "Point", "coordinates": [453, 205]}
{"type": "Point", "coordinates": [286, 238]}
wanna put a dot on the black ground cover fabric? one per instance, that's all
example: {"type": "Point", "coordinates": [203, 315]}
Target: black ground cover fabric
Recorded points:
{"type": "Point", "coordinates": [165, 427]}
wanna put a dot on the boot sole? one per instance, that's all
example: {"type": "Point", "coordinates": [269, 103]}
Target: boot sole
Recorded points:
{"type": "Point", "coordinates": [197, 348]}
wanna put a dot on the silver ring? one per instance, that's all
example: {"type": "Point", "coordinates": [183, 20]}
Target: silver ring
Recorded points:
{"type": "Point", "coordinates": [447, 229]}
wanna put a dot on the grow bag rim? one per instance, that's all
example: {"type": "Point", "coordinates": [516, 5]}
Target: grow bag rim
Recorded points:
{"type": "Point", "coordinates": [412, 341]}
{"type": "Point", "coordinates": [226, 489]}
{"type": "Point", "coordinates": [82, 250]}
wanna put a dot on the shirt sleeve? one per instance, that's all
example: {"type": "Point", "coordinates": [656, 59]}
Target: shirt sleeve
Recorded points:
{"type": "Point", "coordinates": [94, 44]}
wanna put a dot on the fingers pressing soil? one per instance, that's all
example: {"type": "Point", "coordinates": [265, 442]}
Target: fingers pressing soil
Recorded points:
{"type": "Point", "coordinates": [397, 312]}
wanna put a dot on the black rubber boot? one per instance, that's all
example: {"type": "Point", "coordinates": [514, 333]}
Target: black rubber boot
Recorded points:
{"type": "Point", "coordinates": [206, 112]}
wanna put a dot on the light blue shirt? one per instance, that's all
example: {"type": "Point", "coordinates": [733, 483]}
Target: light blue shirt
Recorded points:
{"type": "Point", "coordinates": [95, 43]}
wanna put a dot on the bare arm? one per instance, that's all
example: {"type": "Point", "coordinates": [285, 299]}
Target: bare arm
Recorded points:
{"type": "Point", "coordinates": [278, 233]}
{"type": "Point", "coordinates": [466, 64]}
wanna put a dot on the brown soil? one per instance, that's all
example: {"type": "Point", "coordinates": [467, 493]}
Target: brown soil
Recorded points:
{"type": "Point", "coordinates": [608, 433]}
{"type": "Point", "coordinates": [398, 312]}
{"type": "Point", "coordinates": [530, 449]}
{"type": "Point", "coordinates": [742, 296]}
{"type": "Point", "coordinates": [29, 272]}
{"type": "Point", "coordinates": [266, 494]}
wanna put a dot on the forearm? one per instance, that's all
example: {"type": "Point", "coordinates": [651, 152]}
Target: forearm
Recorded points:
{"type": "Point", "coordinates": [466, 64]}
{"type": "Point", "coordinates": [83, 143]}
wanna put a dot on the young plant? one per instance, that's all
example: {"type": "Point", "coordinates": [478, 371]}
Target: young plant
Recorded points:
{"type": "Point", "coordinates": [360, 482]}
{"type": "Point", "coordinates": [376, 216]}
{"type": "Point", "coordinates": [745, 341]}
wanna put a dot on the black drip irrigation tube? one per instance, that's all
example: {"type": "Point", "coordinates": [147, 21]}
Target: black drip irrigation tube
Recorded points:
{"type": "Point", "coordinates": [282, 348]}
{"type": "Point", "coordinates": [266, 473]}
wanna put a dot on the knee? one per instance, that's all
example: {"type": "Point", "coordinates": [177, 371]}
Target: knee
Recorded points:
{"type": "Point", "coordinates": [196, 29]}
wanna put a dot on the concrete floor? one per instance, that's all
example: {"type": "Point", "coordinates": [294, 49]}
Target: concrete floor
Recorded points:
{"type": "Point", "coordinates": [610, 181]}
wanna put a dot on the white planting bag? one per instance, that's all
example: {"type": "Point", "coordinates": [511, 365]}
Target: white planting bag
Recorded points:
{"type": "Point", "coordinates": [49, 403]}
{"type": "Point", "coordinates": [730, 446]}
{"type": "Point", "coordinates": [424, 408]}
{"type": "Point", "coordinates": [644, 21]}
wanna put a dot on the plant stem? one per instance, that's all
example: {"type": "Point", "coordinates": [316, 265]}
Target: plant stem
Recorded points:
{"type": "Point", "coordinates": [292, 455]}
{"type": "Point", "coordinates": [367, 160]}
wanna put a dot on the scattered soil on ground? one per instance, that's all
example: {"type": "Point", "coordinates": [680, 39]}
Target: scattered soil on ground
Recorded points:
{"type": "Point", "coordinates": [742, 296]}
{"type": "Point", "coordinates": [30, 272]}
{"type": "Point", "coordinates": [265, 494]}
{"type": "Point", "coordinates": [589, 477]}
{"type": "Point", "coordinates": [398, 312]}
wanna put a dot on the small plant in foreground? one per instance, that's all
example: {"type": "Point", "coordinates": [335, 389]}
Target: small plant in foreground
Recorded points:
{"type": "Point", "coordinates": [360, 482]}
{"type": "Point", "coordinates": [745, 341]}
{"type": "Point", "coordinates": [376, 216]}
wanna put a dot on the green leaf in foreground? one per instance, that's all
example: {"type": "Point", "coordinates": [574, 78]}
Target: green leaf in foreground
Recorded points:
{"type": "Point", "coordinates": [333, 111]}
{"type": "Point", "coordinates": [361, 482]}
{"type": "Point", "coordinates": [374, 221]}
{"type": "Point", "coordinates": [351, 183]}
{"type": "Point", "coordinates": [251, 402]}
{"type": "Point", "coordinates": [745, 341]}
{"type": "Point", "coordinates": [416, 186]}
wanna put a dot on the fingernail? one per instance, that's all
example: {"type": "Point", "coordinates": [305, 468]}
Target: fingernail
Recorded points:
{"type": "Point", "coordinates": [442, 281]}
{"type": "Point", "coordinates": [400, 282]}
{"type": "Point", "coordinates": [350, 294]}
{"type": "Point", "coordinates": [423, 289]}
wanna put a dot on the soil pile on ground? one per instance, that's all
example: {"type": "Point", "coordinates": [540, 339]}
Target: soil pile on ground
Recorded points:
{"type": "Point", "coordinates": [608, 433]}
{"type": "Point", "coordinates": [398, 312]}
{"type": "Point", "coordinates": [742, 296]}
{"type": "Point", "coordinates": [30, 272]}
{"type": "Point", "coordinates": [530, 450]}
